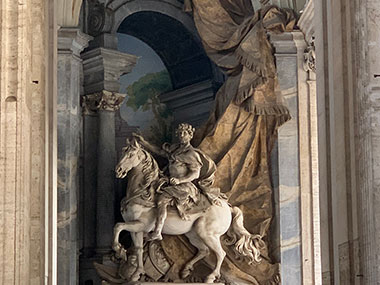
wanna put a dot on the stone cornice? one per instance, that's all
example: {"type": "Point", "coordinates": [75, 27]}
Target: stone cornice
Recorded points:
{"type": "Point", "coordinates": [103, 67]}
{"type": "Point", "coordinates": [72, 40]}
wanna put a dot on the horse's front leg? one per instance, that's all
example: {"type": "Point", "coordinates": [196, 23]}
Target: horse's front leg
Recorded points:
{"type": "Point", "coordinates": [132, 227]}
{"type": "Point", "coordinates": [138, 241]}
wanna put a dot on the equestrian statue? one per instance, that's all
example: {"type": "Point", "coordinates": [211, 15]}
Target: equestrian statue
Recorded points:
{"type": "Point", "coordinates": [180, 201]}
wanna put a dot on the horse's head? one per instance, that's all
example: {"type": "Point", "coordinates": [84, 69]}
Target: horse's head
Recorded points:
{"type": "Point", "coordinates": [130, 158]}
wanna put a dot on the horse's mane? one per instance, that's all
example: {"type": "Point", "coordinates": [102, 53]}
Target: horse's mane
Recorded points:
{"type": "Point", "coordinates": [150, 169]}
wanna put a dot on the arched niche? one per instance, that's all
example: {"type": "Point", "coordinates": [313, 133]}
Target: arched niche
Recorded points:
{"type": "Point", "coordinates": [176, 45]}
{"type": "Point", "coordinates": [172, 8]}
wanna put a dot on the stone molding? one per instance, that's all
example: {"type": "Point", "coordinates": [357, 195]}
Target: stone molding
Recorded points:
{"type": "Point", "coordinates": [72, 40]}
{"type": "Point", "coordinates": [105, 100]}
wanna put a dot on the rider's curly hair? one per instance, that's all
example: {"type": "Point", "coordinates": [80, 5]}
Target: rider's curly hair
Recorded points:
{"type": "Point", "coordinates": [185, 127]}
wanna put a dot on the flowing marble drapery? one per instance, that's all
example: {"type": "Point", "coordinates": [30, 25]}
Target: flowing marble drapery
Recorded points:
{"type": "Point", "coordinates": [242, 128]}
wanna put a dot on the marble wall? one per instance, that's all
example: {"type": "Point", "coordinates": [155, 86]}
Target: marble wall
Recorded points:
{"type": "Point", "coordinates": [69, 117]}
{"type": "Point", "coordinates": [347, 53]}
{"type": "Point", "coordinates": [27, 140]}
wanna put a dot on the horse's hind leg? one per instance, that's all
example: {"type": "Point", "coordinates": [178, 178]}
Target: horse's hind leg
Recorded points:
{"type": "Point", "coordinates": [138, 242]}
{"type": "Point", "coordinates": [203, 251]}
{"type": "Point", "coordinates": [213, 242]}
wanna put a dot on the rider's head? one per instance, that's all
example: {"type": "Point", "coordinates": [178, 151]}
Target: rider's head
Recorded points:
{"type": "Point", "coordinates": [185, 132]}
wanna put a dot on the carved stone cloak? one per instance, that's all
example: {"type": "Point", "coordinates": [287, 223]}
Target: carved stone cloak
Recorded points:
{"type": "Point", "coordinates": [242, 128]}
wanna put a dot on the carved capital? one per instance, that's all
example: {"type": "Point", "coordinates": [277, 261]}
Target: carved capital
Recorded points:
{"type": "Point", "coordinates": [110, 101]}
{"type": "Point", "coordinates": [309, 57]}
{"type": "Point", "coordinates": [105, 100]}
{"type": "Point", "coordinates": [90, 104]}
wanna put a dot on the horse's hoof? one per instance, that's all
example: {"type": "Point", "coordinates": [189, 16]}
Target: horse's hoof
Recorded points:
{"type": "Point", "coordinates": [136, 276]}
{"type": "Point", "coordinates": [116, 246]}
{"type": "Point", "coordinates": [186, 273]}
{"type": "Point", "coordinates": [210, 279]}
{"type": "Point", "coordinates": [154, 236]}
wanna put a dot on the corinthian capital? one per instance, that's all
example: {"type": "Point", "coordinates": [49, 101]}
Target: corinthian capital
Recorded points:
{"type": "Point", "coordinates": [104, 100]}
{"type": "Point", "coordinates": [110, 101]}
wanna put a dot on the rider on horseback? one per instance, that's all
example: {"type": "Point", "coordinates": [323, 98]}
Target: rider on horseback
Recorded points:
{"type": "Point", "coordinates": [190, 172]}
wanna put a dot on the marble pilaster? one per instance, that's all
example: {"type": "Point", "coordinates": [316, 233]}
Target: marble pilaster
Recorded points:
{"type": "Point", "coordinates": [288, 163]}
{"type": "Point", "coordinates": [70, 44]}
{"type": "Point", "coordinates": [296, 164]}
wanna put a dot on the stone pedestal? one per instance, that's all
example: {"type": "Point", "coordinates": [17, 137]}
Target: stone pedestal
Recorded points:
{"type": "Point", "coordinates": [70, 44]}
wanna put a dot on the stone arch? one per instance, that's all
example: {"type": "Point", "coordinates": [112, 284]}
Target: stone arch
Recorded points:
{"type": "Point", "coordinates": [183, 56]}
{"type": "Point", "coordinates": [172, 8]}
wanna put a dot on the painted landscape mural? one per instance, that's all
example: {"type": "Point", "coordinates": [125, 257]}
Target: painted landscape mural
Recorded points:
{"type": "Point", "coordinates": [142, 110]}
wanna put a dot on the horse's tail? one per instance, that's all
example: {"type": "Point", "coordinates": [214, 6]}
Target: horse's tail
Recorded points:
{"type": "Point", "coordinates": [245, 244]}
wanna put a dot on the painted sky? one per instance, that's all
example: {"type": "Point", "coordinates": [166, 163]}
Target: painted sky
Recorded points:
{"type": "Point", "coordinates": [149, 62]}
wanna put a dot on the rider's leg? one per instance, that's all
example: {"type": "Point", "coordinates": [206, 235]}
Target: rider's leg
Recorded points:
{"type": "Point", "coordinates": [163, 202]}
